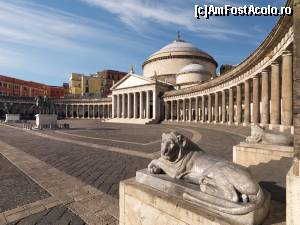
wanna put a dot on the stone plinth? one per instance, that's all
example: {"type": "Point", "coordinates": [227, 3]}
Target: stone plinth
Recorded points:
{"type": "Point", "coordinates": [12, 117]}
{"type": "Point", "coordinates": [143, 205]}
{"type": "Point", "coordinates": [253, 154]}
{"type": "Point", "coordinates": [46, 120]}
{"type": "Point", "coordinates": [293, 195]}
{"type": "Point", "coordinates": [159, 199]}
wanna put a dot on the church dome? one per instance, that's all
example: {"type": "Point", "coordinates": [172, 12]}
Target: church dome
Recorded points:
{"type": "Point", "coordinates": [180, 45]}
{"type": "Point", "coordinates": [192, 73]}
{"type": "Point", "coordinates": [192, 68]}
{"type": "Point", "coordinates": [166, 63]}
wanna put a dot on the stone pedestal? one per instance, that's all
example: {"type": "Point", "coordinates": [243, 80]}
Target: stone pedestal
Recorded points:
{"type": "Point", "coordinates": [46, 120]}
{"type": "Point", "coordinates": [12, 117]}
{"type": "Point", "coordinates": [158, 199]}
{"type": "Point", "coordinates": [293, 195]}
{"type": "Point", "coordinates": [253, 154]}
{"type": "Point", "coordinates": [143, 205]}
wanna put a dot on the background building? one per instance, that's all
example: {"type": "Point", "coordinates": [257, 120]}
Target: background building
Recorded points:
{"type": "Point", "coordinates": [97, 84]}
{"type": "Point", "coordinates": [10, 86]}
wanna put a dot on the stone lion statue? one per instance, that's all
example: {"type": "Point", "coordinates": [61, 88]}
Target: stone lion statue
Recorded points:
{"type": "Point", "coordinates": [182, 159]}
{"type": "Point", "coordinates": [259, 135]}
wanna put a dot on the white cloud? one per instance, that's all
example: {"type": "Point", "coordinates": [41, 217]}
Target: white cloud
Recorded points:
{"type": "Point", "coordinates": [136, 14]}
{"type": "Point", "coordinates": [34, 25]}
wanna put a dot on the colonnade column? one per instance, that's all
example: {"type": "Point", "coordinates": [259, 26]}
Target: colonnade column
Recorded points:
{"type": "Point", "coordinates": [231, 106]}
{"type": "Point", "coordinates": [209, 108]}
{"type": "Point", "coordinates": [275, 94]}
{"type": "Point", "coordinates": [265, 113]}
{"type": "Point", "coordinates": [77, 111]}
{"type": "Point", "coordinates": [255, 109]}
{"type": "Point", "coordinates": [247, 103]}
{"type": "Point", "coordinates": [103, 111]}
{"type": "Point", "coordinates": [66, 111]}
{"type": "Point", "coordinates": [216, 107]}
{"type": "Point", "coordinates": [178, 111]}
{"type": "Point", "coordinates": [141, 105]}
{"type": "Point", "coordinates": [147, 105]}
{"type": "Point", "coordinates": [287, 89]}
{"type": "Point", "coordinates": [196, 109]}
{"type": "Point", "coordinates": [223, 106]}
{"type": "Point", "coordinates": [190, 109]}
{"type": "Point", "coordinates": [183, 110]}
{"type": "Point", "coordinates": [203, 108]}
{"type": "Point", "coordinates": [72, 112]}
{"type": "Point", "coordinates": [83, 112]}
{"type": "Point", "coordinates": [238, 104]}
{"type": "Point", "coordinates": [135, 105]}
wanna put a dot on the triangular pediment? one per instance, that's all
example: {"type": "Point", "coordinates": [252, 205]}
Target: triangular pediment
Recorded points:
{"type": "Point", "coordinates": [131, 80]}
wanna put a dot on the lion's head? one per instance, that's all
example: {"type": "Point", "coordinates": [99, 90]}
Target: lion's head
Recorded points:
{"type": "Point", "coordinates": [174, 146]}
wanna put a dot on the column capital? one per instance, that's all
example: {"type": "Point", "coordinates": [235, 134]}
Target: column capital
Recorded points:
{"type": "Point", "coordinates": [286, 52]}
{"type": "Point", "coordinates": [274, 63]}
{"type": "Point", "coordinates": [265, 70]}
{"type": "Point", "coordinates": [255, 76]}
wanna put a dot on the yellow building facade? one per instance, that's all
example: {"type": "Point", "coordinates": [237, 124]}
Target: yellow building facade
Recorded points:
{"type": "Point", "coordinates": [81, 85]}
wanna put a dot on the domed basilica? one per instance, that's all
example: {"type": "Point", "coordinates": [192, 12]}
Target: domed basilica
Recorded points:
{"type": "Point", "coordinates": [137, 98]}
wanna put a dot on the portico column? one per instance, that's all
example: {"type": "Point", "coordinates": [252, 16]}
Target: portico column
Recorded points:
{"type": "Point", "coordinates": [135, 105]}
{"type": "Point", "coordinates": [166, 110]}
{"type": "Point", "coordinates": [223, 106]}
{"type": "Point", "coordinates": [209, 108]}
{"type": "Point", "coordinates": [265, 113]}
{"type": "Point", "coordinates": [154, 103]}
{"type": "Point", "coordinates": [238, 104]}
{"type": "Point", "coordinates": [141, 105]}
{"type": "Point", "coordinates": [287, 89]}
{"type": "Point", "coordinates": [109, 112]}
{"type": "Point", "coordinates": [203, 108]}
{"type": "Point", "coordinates": [147, 105]}
{"type": "Point", "coordinates": [216, 107]}
{"type": "Point", "coordinates": [118, 106]}
{"type": "Point", "coordinates": [98, 111]}
{"type": "Point", "coordinates": [247, 103]}
{"type": "Point", "coordinates": [190, 109]}
{"type": "Point", "coordinates": [183, 110]}
{"type": "Point", "coordinates": [113, 106]}
{"type": "Point", "coordinates": [178, 110]}
{"type": "Point", "coordinates": [172, 107]}
{"type": "Point", "coordinates": [196, 109]}
{"type": "Point", "coordinates": [255, 110]}
{"type": "Point", "coordinates": [275, 94]}
{"type": "Point", "coordinates": [123, 106]}
{"type": "Point", "coordinates": [129, 106]}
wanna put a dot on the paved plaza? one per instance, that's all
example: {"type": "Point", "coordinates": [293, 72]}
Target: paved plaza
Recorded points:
{"type": "Point", "coordinates": [72, 176]}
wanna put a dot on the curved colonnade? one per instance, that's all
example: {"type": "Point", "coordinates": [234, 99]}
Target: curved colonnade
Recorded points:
{"type": "Point", "coordinates": [257, 91]}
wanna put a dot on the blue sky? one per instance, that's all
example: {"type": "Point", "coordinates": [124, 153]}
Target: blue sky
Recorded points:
{"type": "Point", "coordinates": [46, 40]}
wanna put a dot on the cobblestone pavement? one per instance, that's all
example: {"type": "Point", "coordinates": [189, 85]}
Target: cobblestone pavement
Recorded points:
{"type": "Point", "coordinates": [59, 215]}
{"type": "Point", "coordinates": [102, 168]}
{"type": "Point", "coordinates": [16, 188]}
